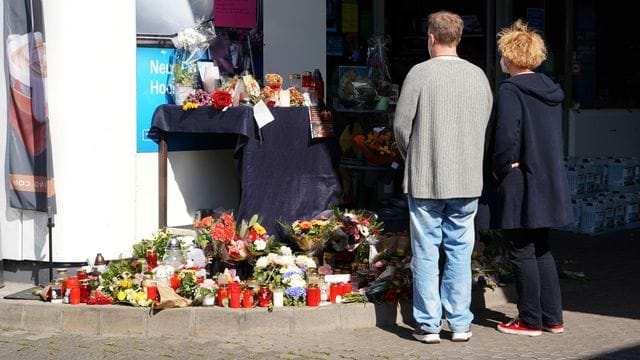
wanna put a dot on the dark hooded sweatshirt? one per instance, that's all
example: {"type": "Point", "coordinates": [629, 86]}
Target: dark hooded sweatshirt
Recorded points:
{"type": "Point", "coordinates": [529, 131]}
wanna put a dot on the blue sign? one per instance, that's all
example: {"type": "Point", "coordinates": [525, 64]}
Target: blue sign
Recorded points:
{"type": "Point", "coordinates": [153, 72]}
{"type": "Point", "coordinates": [153, 68]}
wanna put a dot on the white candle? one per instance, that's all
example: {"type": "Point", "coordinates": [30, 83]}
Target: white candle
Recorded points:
{"type": "Point", "coordinates": [285, 98]}
{"type": "Point", "coordinates": [278, 297]}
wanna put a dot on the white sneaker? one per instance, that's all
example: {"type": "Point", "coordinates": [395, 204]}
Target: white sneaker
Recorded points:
{"type": "Point", "coordinates": [426, 337]}
{"type": "Point", "coordinates": [461, 336]}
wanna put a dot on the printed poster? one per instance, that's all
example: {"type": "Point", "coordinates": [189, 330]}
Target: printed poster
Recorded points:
{"type": "Point", "coordinates": [235, 13]}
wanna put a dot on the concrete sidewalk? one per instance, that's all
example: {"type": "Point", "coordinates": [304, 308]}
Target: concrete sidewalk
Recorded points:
{"type": "Point", "coordinates": [602, 319]}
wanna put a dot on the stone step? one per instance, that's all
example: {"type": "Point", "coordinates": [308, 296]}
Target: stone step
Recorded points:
{"type": "Point", "coordinates": [208, 322]}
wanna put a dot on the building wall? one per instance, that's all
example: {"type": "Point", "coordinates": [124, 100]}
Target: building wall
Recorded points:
{"type": "Point", "coordinates": [107, 194]}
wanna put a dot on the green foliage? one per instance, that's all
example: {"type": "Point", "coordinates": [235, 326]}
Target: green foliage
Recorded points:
{"type": "Point", "coordinates": [184, 74]}
{"type": "Point", "coordinates": [189, 286]}
{"type": "Point", "coordinates": [158, 244]}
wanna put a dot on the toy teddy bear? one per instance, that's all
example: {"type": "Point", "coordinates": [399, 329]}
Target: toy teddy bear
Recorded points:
{"type": "Point", "coordinates": [271, 91]}
{"type": "Point", "coordinates": [196, 261]}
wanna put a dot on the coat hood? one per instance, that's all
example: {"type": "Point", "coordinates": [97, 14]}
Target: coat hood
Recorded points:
{"type": "Point", "coordinates": [539, 86]}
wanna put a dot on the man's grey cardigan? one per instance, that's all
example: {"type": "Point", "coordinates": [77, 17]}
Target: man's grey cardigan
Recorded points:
{"type": "Point", "coordinates": [439, 124]}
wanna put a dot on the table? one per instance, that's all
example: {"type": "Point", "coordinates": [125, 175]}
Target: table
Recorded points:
{"type": "Point", "coordinates": [284, 174]}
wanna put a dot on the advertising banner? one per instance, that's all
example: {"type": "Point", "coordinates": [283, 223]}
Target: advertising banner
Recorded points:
{"type": "Point", "coordinates": [29, 171]}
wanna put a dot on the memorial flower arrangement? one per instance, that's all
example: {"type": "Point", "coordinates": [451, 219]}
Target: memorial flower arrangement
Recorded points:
{"type": "Point", "coordinates": [378, 146]}
{"type": "Point", "coordinates": [189, 285]}
{"type": "Point", "coordinates": [310, 235]}
{"type": "Point", "coordinates": [219, 99]}
{"type": "Point", "coordinates": [218, 237]}
{"type": "Point", "coordinates": [191, 44]}
{"type": "Point", "coordinates": [123, 283]}
{"type": "Point", "coordinates": [353, 227]}
{"type": "Point", "coordinates": [284, 269]}
{"type": "Point", "coordinates": [255, 236]}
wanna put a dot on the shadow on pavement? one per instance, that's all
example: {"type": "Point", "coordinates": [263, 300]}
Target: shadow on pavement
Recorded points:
{"type": "Point", "coordinates": [611, 268]}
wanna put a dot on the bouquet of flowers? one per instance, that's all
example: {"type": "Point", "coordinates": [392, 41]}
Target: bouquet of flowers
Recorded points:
{"type": "Point", "coordinates": [353, 227]}
{"type": "Point", "coordinates": [379, 146]}
{"type": "Point", "coordinates": [310, 235]}
{"type": "Point", "coordinates": [255, 236]}
{"type": "Point", "coordinates": [284, 269]}
{"type": "Point", "coordinates": [219, 99]}
{"type": "Point", "coordinates": [123, 283]}
{"type": "Point", "coordinates": [217, 236]}
{"type": "Point", "coordinates": [191, 44]}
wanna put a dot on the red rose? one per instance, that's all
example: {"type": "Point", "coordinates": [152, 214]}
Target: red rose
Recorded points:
{"type": "Point", "coordinates": [221, 99]}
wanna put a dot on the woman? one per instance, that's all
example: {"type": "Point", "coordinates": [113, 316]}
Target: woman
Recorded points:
{"type": "Point", "coordinates": [532, 189]}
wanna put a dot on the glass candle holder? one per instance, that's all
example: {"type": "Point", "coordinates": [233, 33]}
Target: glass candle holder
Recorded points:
{"type": "Point", "coordinates": [223, 295]}
{"type": "Point", "coordinates": [264, 296]}
{"type": "Point", "coordinates": [247, 298]}
{"type": "Point", "coordinates": [313, 295]}
{"type": "Point", "coordinates": [278, 297]}
{"type": "Point", "coordinates": [334, 292]}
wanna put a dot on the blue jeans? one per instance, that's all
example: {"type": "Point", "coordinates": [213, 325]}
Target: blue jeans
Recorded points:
{"type": "Point", "coordinates": [447, 223]}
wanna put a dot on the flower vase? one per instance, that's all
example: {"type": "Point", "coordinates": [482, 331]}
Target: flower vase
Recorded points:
{"type": "Point", "coordinates": [208, 300]}
{"type": "Point", "coordinates": [181, 93]}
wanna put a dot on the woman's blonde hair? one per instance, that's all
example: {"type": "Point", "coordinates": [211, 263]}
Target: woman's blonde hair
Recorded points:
{"type": "Point", "coordinates": [522, 46]}
{"type": "Point", "coordinates": [446, 27]}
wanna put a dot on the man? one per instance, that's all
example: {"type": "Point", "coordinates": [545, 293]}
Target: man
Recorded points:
{"type": "Point", "coordinates": [440, 122]}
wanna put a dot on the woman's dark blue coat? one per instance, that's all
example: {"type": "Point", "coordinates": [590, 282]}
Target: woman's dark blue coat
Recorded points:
{"type": "Point", "coordinates": [529, 132]}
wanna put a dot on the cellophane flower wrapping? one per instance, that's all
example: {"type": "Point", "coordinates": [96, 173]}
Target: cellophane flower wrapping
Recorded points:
{"type": "Point", "coordinates": [191, 44]}
{"type": "Point", "coordinates": [310, 235]}
{"type": "Point", "coordinates": [353, 227]}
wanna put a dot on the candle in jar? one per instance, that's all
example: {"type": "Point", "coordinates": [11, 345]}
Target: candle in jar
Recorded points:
{"type": "Point", "coordinates": [278, 297]}
{"type": "Point", "coordinates": [346, 288]}
{"type": "Point", "coordinates": [313, 295]}
{"type": "Point", "coordinates": [152, 292]}
{"type": "Point", "coordinates": [264, 296]}
{"type": "Point", "coordinates": [85, 290]}
{"type": "Point", "coordinates": [74, 295]}
{"type": "Point", "coordinates": [334, 292]}
{"type": "Point", "coordinates": [81, 274]}
{"type": "Point", "coordinates": [152, 259]}
{"type": "Point", "coordinates": [223, 295]}
{"type": "Point", "coordinates": [234, 298]}
{"type": "Point", "coordinates": [247, 298]}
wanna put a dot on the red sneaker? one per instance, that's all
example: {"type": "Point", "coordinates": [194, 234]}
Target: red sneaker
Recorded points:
{"type": "Point", "coordinates": [554, 329]}
{"type": "Point", "coordinates": [517, 327]}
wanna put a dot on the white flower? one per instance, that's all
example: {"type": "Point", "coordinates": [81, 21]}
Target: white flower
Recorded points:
{"type": "Point", "coordinates": [260, 244]}
{"type": "Point", "coordinates": [189, 38]}
{"type": "Point", "coordinates": [285, 250]}
{"type": "Point", "coordinates": [363, 230]}
{"type": "Point", "coordinates": [262, 262]}
{"type": "Point", "coordinates": [307, 262]}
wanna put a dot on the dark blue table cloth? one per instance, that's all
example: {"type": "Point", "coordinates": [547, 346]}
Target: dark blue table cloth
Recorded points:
{"type": "Point", "coordinates": [284, 174]}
